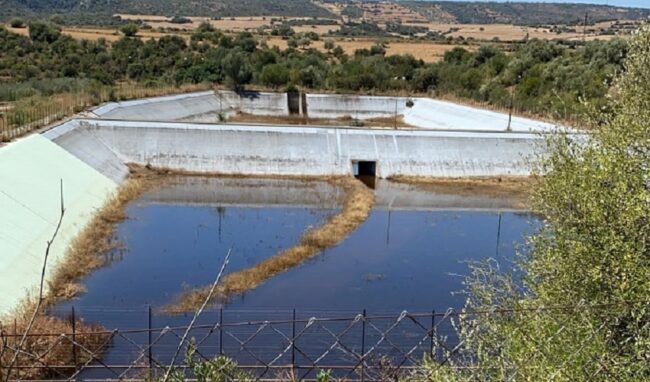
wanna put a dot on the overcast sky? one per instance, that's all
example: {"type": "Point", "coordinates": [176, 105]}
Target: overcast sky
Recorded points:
{"type": "Point", "coordinates": [625, 3]}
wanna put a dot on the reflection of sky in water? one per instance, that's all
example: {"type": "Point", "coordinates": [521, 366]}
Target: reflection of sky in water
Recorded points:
{"type": "Point", "coordinates": [411, 262]}
{"type": "Point", "coordinates": [414, 264]}
{"type": "Point", "coordinates": [172, 248]}
{"type": "Point", "coordinates": [398, 260]}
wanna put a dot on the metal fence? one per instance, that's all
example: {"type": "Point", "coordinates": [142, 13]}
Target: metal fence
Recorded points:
{"type": "Point", "coordinates": [20, 118]}
{"type": "Point", "coordinates": [289, 345]}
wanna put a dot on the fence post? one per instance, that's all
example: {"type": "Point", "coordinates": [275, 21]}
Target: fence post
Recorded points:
{"type": "Point", "coordinates": [221, 331]}
{"type": "Point", "coordinates": [73, 317]}
{"type": "Point", "coordinates": [149, 344]}
{"type": "Point", "coordinates": [433, 328]}
{"type": "Point", "coordinates": [16, 350]}
{"type": "Point", "coordinates": [293, 342]}
{"type": "Point", "coordinates": [363, 346]}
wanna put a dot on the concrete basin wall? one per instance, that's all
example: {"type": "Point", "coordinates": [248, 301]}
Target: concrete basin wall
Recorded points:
{"type": "Point", "coordinates": [196, 107]}
{"type": "Point", "coordinates": [31, 170]}
{"type": "Point", "coordinates": [355, 106]}
{"type": "Point", "coordinates": [425, 113]}
{"type": "Point", "coordinates": [291, 150]}
{"type": "Point", "coordinates": [442, 115]}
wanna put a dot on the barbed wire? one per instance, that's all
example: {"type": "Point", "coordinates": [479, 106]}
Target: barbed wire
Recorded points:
{"type": "Point", "coordinates": [352, 347]}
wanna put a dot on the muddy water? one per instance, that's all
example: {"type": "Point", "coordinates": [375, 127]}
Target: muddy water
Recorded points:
{"type": "Point", "coordinates": [410, 254]}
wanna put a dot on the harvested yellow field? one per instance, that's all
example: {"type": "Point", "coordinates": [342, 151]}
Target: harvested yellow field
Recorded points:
{"type": "Point", "coordinates": [509, 32]}
{"type": "Point", "coordinates": [125, 16]}
{"type": "Point", "coordinates": [318, 29]}
{"type": "Point", "coordinates": [94, 34]}
{"type": "Point", "coordinates": [426, 51]}
{"type": "Point", "coordinates": [235, 24]}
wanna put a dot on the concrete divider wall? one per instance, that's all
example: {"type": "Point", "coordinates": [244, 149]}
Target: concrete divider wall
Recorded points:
{"type": "Point", "coordinates": [289, 150]}
{"type": "Point", "coordinates": [30, 173]}
{"type": "Point", "coordinates": [256, 103]}
{"type": "Point", "coordinates": [355, 106]}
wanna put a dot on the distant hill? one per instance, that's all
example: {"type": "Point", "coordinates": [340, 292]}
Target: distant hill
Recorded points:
{"type": "Point", "coordinates": [465, 12]}
{"type": "Point", "coordinates": [209, 8]}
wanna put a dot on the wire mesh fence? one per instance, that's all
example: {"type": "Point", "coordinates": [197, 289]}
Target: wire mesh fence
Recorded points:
{"type": "Point", "coordinates": [25, 115]}
{"type": "Point", "coordinates": [295, 345]}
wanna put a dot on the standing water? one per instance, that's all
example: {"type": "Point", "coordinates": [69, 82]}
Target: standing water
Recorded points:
{"type": "Point", "coordinates": [410, 254]}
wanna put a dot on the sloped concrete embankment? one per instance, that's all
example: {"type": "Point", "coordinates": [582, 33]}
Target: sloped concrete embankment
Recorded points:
{"type": "Point", "coordinates": [296, 151]}
{"type": "Point", "coordinates": [196, 107]}
{"type": "Point", "coordinates": [31, 171]}
{"type": "Point", "coordinates": [424, 113]}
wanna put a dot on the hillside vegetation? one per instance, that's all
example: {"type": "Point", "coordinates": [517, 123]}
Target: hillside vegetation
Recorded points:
{"type": "Point", "coordinates": [209, 8]}
{"type": "Point", "coordinates": [543, 77]}
{"type": "Point", "coordinates": [522, 13]}
{"type": "Point", "coordinates": [100, 11]}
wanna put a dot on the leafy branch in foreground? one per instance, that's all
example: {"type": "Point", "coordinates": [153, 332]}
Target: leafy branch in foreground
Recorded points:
{"type": "Point", "coordinates": [591, 258]}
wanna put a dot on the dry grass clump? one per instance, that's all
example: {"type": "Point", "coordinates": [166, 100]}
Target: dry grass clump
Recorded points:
{"type": "Point", "coordinates": [357, 205]}
{"type": "Point", "coordinates": [84, 254]}
{"type": "Point", "coordinates": [46, 345]}
{"type": "Point", "coordinates": [518, 189]}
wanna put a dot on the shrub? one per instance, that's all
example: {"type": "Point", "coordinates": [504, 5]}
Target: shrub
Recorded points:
{"type": "Point", "coordinates": [129, 30]}
{"type": "Point", "coordinates": [17, 22]}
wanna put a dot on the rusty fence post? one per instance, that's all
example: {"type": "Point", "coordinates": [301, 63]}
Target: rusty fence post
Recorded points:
{"type": "Point", "coordinates": [293, 342]}
{"type": "Point", "coordinates": [363, 345]}
{"type": "Point", "coordinates": [150, 344]}
{"type": "Point", "coordinates": [16, 350]}
{"type": "Point", "coordinates": [432, 332]}
{"type": "Point", "coordinates": [221, 331]}
{"type": "Point", "coordinates": [73, 319]}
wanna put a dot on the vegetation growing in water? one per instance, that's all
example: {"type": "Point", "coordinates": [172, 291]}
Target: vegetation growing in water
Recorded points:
{"type": "Point", "coordinates": [357, 205]}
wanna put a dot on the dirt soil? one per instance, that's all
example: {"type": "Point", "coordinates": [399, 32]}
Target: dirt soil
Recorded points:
{"type": "Point", "coordinates": [379, 123]}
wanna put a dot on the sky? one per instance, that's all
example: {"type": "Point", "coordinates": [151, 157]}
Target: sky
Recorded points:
{"type": "Point", "coordinates": [623, 3]}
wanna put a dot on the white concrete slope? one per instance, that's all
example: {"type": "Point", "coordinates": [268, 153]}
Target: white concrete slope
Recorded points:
{"type": "Point", "coordinates": [196, 107]}
{"type": "Point", "coordinates": [425, 113]}
{"type": "Point", "coordinates": [31, 170]}
{"type": "Point", "coordinates": [291, 150]}
{"type": "Point", "coordinates": [441, 115]}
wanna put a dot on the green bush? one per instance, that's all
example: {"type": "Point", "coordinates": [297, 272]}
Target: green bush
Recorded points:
{"type": "Point", "coordinates": [17, 22]}
{"type": "Point", "coordinates": [577, 307]}
{"type": "Point", "coordinates": [129, 30]}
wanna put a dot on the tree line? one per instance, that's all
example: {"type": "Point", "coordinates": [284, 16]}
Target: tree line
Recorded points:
{"type": "Point", "coordinates": [546, 77]}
